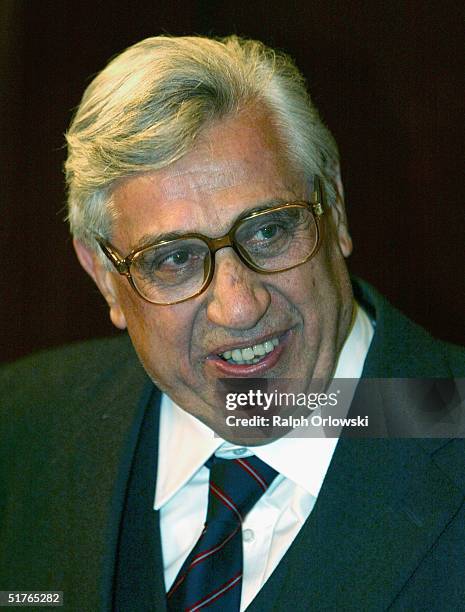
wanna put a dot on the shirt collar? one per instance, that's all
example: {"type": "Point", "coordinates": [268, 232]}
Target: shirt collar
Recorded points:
{"type": "Point", "coordinates": [303, 460]}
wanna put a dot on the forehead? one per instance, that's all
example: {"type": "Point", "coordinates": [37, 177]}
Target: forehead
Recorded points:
{"type": "Point", "coordinates": [236, 164]}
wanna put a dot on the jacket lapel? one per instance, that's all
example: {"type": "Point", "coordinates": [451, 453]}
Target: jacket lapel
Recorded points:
{"type": "Point", "coordinates": [383, 505]}
{"type": "Point", "coordinates": [384, 502]}
{"type": "Point", "coordinates": [139, 583]}
{"type": "Point", "coordinates": [73, 419]}
{"type": "Point", "coordinates": [400, 348]}
{"type": "Point", "coordinates": [105, 420]}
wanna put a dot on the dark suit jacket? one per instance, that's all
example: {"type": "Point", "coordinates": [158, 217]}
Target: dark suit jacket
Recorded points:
{"type": "Point", "coordinates": [78, 460]}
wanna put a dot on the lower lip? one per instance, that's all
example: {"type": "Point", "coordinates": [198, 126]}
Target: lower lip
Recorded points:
{"type": "Point", "coordinates": [255, 369]}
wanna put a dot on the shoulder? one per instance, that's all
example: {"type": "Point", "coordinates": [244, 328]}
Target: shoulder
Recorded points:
{"type": "Point", "coordinates": [55, 403]}
{"type": "Point", "coordinates": [77, 360]}
{"type": "Point", "coordinates": [400, 347]}
{"type": "Point", "coordinates": [56, 376]}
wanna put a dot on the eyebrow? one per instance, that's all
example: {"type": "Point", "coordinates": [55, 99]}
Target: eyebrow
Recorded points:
{"type": "Point", "coordinates": [153, 238]}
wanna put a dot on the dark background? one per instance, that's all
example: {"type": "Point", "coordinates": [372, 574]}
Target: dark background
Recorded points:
{"type": "Point", "coordinates": [386, 76]}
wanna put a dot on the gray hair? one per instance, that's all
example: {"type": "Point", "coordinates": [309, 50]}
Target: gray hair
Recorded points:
{"type": "Point", "coordinates": [145, 110]}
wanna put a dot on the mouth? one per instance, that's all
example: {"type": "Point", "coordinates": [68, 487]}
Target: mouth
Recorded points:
{"type": "Point", "coordinates": [249, 360]}
{"type": "Point", "coordinates": [250, 354]}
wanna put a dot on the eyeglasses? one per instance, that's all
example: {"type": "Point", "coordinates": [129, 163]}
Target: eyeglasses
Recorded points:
{"type": "Point", "coordinates": [268, 241]}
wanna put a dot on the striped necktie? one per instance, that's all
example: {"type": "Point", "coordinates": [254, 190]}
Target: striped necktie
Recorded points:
{"type": "Point", "coordinates": [211, 576]}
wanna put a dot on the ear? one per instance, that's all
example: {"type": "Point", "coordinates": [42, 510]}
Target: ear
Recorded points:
{"type": "Point", "coordinates": [104, 280]}
{"type": "Point", "coordinates": [339, 214]}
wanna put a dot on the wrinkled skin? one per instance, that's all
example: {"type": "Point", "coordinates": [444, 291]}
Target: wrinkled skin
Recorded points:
{"type": "Point", "coordinates": [237, 164]}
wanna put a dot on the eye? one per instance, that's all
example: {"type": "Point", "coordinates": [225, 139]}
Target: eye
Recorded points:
{"type": "Point", "coordinates": [173, 263]}
{"type": "Point", "coordinates": [268, 231]}
{"type": "Point", "coordinates": [183, 260]}
{"type": "Point", "coordinates": [178, 258]}
{"type": "Point", "coordinates": [179, 265]}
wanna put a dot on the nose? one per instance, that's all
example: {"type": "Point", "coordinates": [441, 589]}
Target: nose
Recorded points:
{"type": "Point", "coordinates": [238, 297]}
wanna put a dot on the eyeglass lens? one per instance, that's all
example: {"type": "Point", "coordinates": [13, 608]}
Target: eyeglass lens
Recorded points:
{"type": "Point", "coordinates": [271, 242]}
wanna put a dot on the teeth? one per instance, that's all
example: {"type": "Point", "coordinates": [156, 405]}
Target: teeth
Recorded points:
{"type": "Point", "coordinates": [250, 354]}
{"type": "Point", "coordinates": [247, 354]}
{"type": "Point", "coordinates": [259, 349]}
{"type": "Point", "coordinates": [236, 354]}
{"type": "Point", "coordinates": [268, 347]}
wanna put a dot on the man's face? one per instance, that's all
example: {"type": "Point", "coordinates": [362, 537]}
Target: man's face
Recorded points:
{"type": "Point", "coordinates": [238, 164]}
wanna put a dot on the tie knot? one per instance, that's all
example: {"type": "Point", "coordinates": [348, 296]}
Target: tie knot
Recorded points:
{"type": "Point", "coordinates": [235, 487]}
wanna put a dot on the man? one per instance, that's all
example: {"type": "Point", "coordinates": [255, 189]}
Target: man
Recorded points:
{"type": "Point", "coordinates": [206, 203]}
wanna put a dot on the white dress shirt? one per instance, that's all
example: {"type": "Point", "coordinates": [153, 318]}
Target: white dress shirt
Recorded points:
{"type": "Point", "coordinates": [274, 522]}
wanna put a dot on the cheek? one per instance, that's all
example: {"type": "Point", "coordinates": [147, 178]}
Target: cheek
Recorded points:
{"type": "Point", "coordinates": [330, 262]}
{"type": "Point", "coordinates": [334, 287]}
{"type": "Point", "coordinates": [301, 286]}
{"type": "Point", "coordinates": [160, 335]}
{"type": "Point", "coordinates": [318, 288]}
